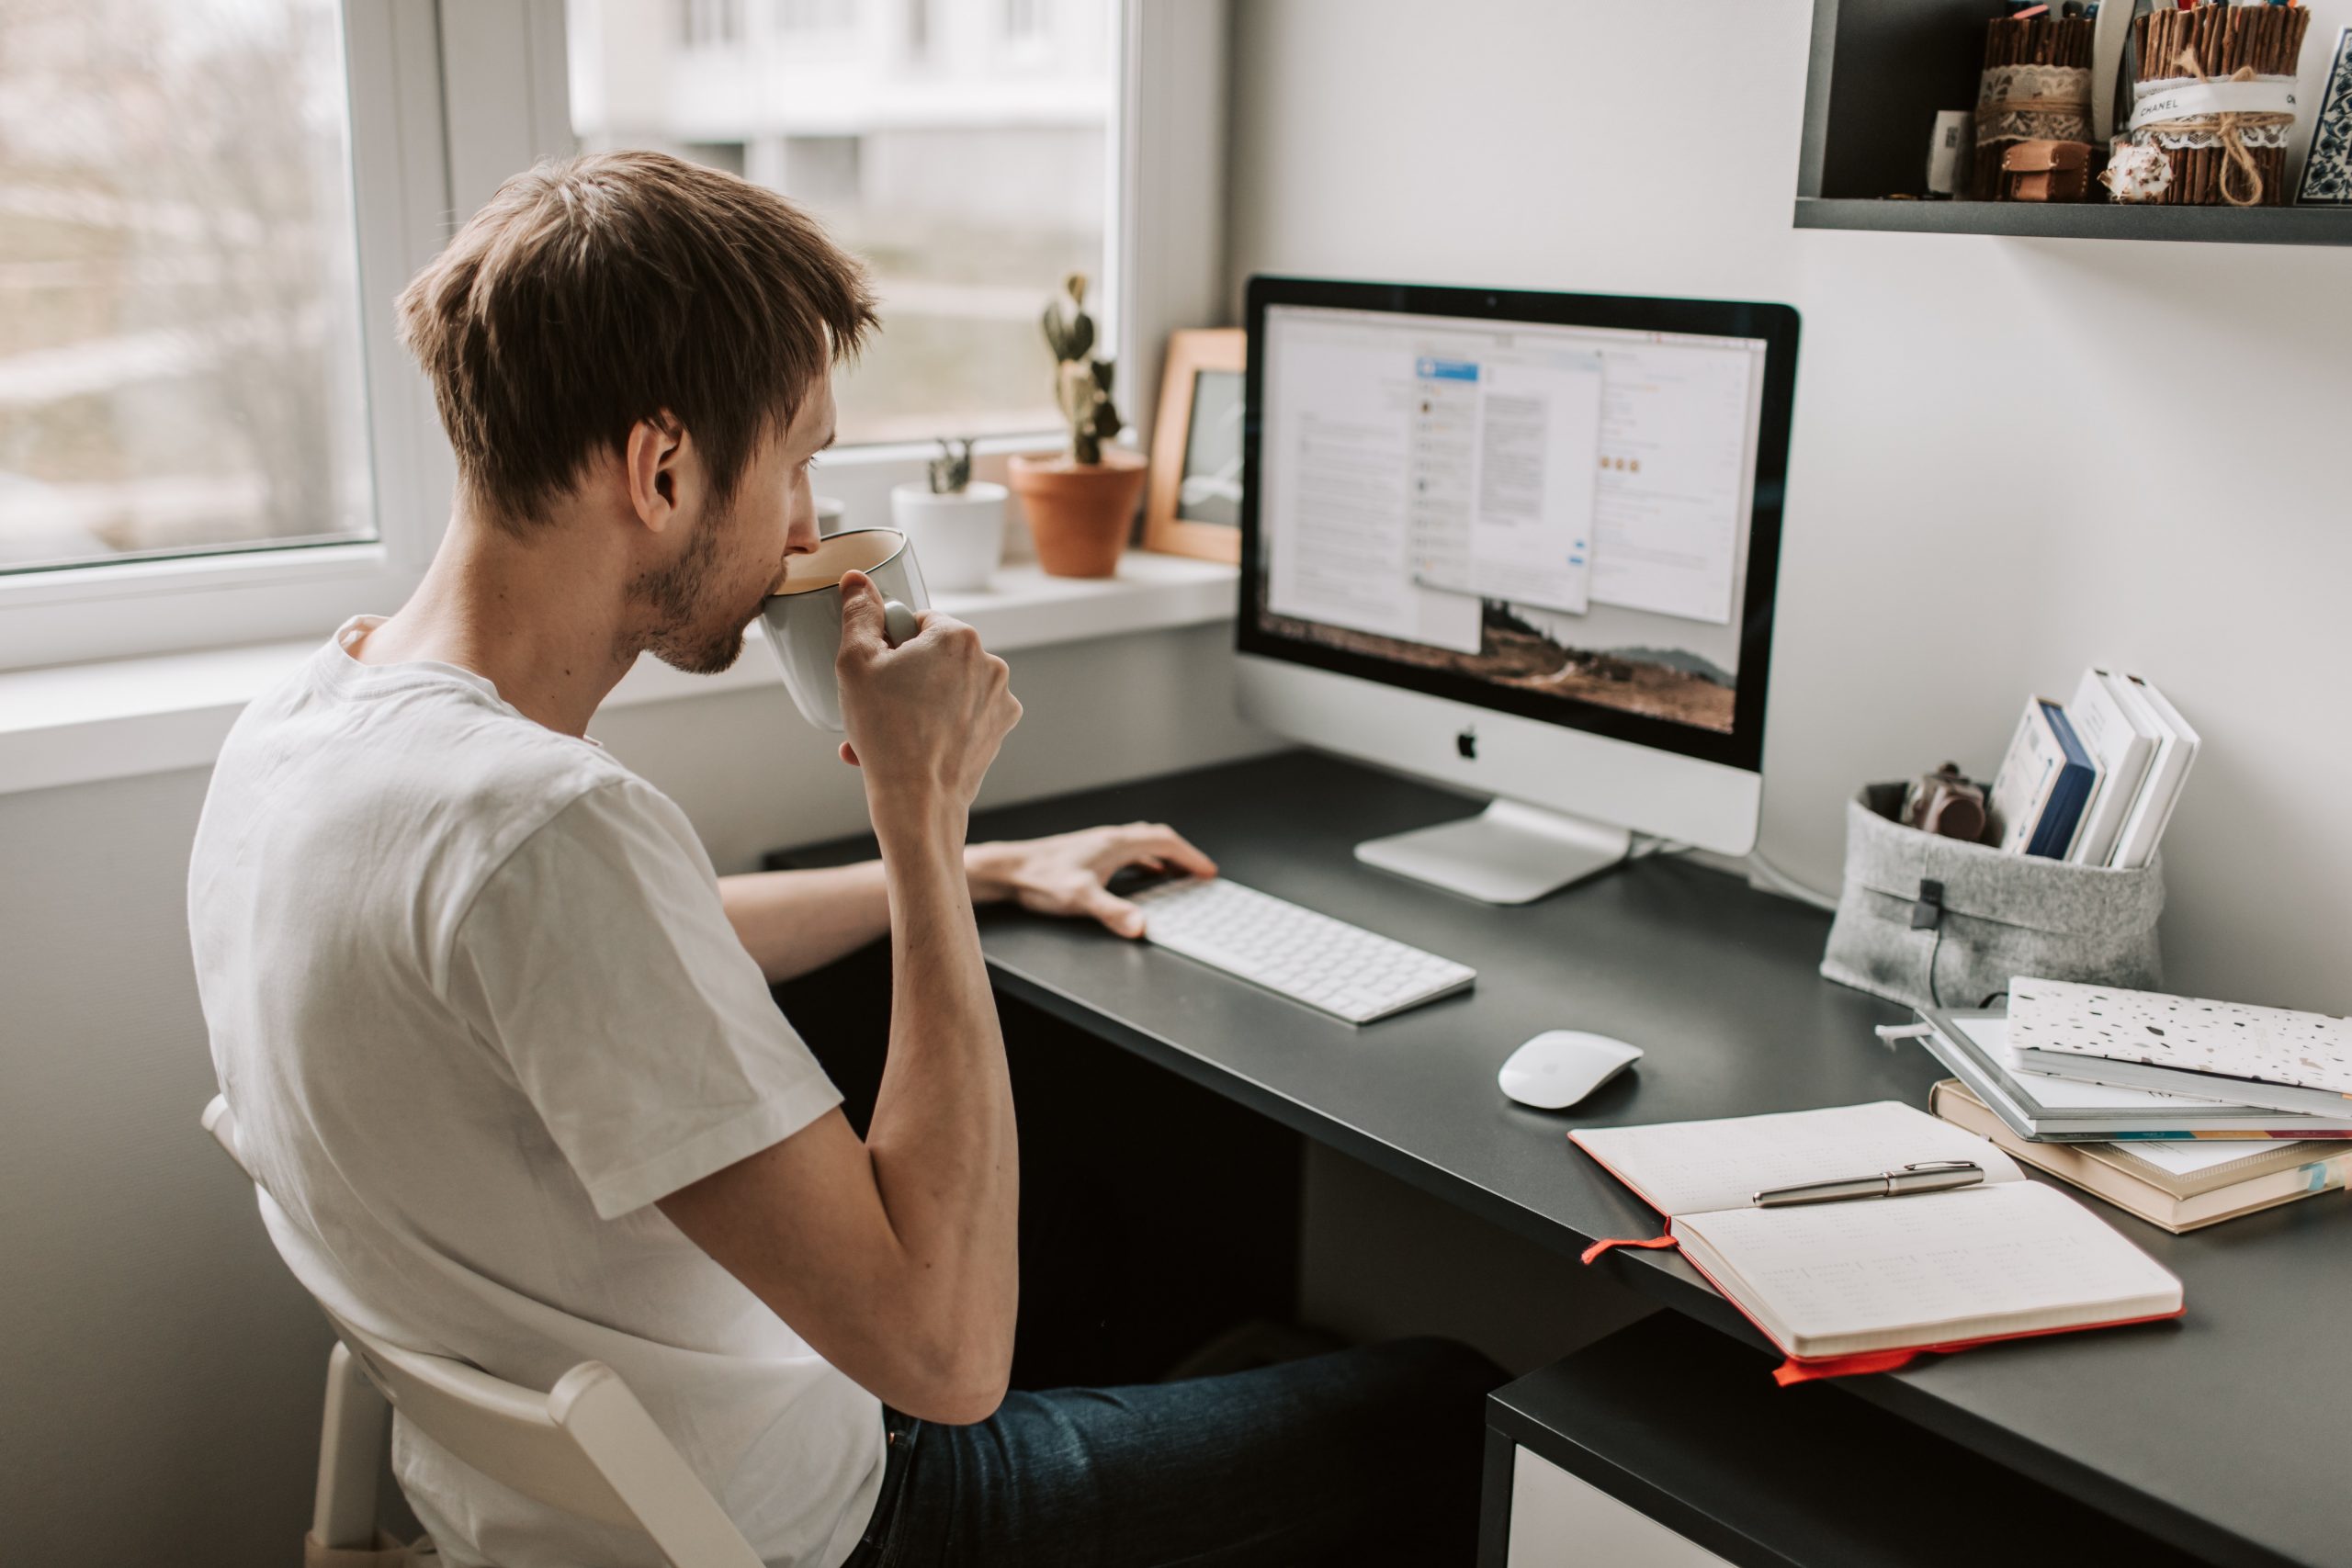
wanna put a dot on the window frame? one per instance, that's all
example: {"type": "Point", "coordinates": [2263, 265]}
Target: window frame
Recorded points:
{"type": "Point", "coordinates": [1163, 239]}
{"type": "Point", "coordinates": [165, 603]}
{"type": "Point", "coordinates": [447, 100]}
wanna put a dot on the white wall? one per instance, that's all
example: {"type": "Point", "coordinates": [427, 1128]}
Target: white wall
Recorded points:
{"type": "Point", "coordinates": [2010, 458]}
{"type": "Point", "coordinates": [160, 1386]}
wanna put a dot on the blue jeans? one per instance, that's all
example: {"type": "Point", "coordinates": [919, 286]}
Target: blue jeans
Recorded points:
{"type": "Point", "coordinates": [1365, 1456]}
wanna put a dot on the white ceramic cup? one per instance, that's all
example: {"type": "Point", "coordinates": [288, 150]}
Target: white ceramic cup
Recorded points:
{"type": "Point", "coordinates": [961, 534]}
{"type": "Point", "coordinates": [804, 614]}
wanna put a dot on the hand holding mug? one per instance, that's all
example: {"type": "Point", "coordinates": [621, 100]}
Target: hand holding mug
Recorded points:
{"type": "Point", "coordinates": [925, 716]}
{"type": "Point", "coordinates": [804, 612]}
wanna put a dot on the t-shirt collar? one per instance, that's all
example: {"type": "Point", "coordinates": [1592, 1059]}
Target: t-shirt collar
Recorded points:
{"type": "Point", "coordinates": [344, 670]}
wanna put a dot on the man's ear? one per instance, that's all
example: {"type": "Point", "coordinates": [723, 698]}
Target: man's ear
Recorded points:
{"type": "Point", "coordinates": [658, 469]}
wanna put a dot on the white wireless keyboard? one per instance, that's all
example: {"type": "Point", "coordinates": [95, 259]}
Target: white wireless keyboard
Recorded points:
{"type": "Point", "coordinates": [1329, 964]}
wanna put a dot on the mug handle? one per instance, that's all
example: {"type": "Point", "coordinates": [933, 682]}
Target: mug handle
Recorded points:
{"type": "Point", "coordinates": [898, 623]}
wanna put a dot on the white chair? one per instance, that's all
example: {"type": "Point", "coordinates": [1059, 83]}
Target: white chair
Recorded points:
{"type": "Point", "coordinates": [586, 1446]}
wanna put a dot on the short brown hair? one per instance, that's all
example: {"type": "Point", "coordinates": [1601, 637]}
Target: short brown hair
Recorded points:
{"type": "Point", "coordinates": [597, 291]}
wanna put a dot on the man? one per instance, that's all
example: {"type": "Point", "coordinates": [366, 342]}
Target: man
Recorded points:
{"type": "Point", "coordinates": [500, 1044]}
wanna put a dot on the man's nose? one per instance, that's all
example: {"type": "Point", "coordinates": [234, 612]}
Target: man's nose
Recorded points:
{"type": "Point", "coordinates": [802, 536]}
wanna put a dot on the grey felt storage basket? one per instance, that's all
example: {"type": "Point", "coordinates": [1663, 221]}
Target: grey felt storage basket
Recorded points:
{"type": "Point", "coordinates": [1934, 922]}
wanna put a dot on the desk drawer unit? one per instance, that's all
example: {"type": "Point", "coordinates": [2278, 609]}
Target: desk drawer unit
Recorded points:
{"type": "Point", "coordinates": [1560, 1521]}
{"type": "Point", "coordinates": [1667, 1445]}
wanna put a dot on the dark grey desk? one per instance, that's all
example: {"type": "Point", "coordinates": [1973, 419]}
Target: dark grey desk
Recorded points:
{"type": "Point", "coordinates": [2224, 1432]}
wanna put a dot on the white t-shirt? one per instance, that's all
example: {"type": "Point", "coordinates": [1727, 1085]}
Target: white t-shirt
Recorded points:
{"type": "Point", "coordinates": [475, 1005]}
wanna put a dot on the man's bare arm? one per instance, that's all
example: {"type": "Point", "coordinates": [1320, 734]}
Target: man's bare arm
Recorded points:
{"type": "Point", "coordinates": [895, 1259]}
{"type": "Point", "coordinates": [794, 921]}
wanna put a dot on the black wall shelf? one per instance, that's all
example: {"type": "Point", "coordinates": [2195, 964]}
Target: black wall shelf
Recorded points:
{"type": "Point", "coordinates": [2083, 221]}
{"type": "Point", "coordinates": [1880, 71]}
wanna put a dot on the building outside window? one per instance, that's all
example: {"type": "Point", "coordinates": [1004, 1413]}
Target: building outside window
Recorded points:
{"type": "Point", "coordinates": [1026, 22]}
{"type": "Point", "coordinates": [180, 365]}
{"type": "Point", "coordinates": [815, 15]}
{"type": "Point", "coordinates": [710, 24]}
{"type": "Point", "coordinates": [966, 163]}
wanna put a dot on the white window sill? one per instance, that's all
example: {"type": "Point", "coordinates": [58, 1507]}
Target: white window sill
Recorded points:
{"type": "Point", "coordinates": [79, 724]}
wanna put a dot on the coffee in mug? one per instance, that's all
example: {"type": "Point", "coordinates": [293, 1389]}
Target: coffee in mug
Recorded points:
{"type": "Point", "coordinates": [803, 615]}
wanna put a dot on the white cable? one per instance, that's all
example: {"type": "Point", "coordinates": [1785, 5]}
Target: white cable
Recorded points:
{"type": "Point", "coordinates": [1778, 880]}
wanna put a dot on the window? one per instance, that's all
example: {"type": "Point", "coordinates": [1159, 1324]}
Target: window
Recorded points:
{"type": "Point", "coordinates": [815, 15]}
{"type": "Point", "coordinates": [208, 434]}
{"type": "Point", "coordinates": [970, 188]}
{"type": "Point", "coordinates": [704, 24]}
{"type": "Point", "coordinates": [1025, 21]}
{"type": "Point", "coordinates": [180, 363]}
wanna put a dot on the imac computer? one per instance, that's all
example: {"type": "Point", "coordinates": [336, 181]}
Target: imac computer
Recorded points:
{"type": "Point", "coordinates": [1524, 544]}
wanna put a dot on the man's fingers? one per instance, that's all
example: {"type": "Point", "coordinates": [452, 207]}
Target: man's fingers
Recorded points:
{"type": "Point", "coordinates": [862, 620]}
{"type": "Point", "coordinates": [1115, 912]}
{"type": "Point", "coordinates": [1158, 841]}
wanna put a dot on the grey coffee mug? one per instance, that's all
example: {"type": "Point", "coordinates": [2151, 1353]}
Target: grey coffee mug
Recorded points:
{"type": "Point", "coordinates": [804, 614]}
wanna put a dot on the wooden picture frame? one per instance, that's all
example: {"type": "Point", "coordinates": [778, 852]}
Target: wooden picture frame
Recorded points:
{"type": "Point", "coordinates": [1204, 374]}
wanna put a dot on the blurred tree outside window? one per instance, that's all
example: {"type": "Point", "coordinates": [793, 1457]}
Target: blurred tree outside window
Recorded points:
{"type": "Point", "coordinates": [961, 147]}
{"type": "Point", "coordinates": [180, 363]}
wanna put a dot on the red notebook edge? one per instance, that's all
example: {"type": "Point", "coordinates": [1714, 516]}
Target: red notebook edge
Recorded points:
{"type": "Point", "coordinates": [1794, 1368]}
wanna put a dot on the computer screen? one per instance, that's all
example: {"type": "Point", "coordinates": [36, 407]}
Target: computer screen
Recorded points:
{"type": "Point", "coordinates": [1562, 506]}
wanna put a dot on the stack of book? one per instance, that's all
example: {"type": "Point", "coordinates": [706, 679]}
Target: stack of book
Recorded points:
{"type": "Point", "coordinates": [2184, 1111]}
{"type": "Point", "coordinates": [2093, 780]}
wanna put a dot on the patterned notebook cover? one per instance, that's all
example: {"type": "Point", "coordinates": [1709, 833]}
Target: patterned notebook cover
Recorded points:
{"type": "Point", "coordinates": [2308, 1050]}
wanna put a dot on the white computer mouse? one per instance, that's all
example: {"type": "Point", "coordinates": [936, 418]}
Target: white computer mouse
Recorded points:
{"type": "Point", "coordinates": [1560, 1066]}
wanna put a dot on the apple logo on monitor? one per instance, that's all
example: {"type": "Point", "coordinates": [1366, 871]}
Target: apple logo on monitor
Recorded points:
{"type": "Point", "coordinates": [1466, 743]}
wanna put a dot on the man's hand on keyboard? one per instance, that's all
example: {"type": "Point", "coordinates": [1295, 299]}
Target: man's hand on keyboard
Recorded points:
{"type": "Point", "coordinates": [1067, 874]}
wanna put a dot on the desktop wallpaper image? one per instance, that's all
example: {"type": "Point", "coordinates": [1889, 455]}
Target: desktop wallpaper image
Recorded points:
{"type": "Point", "coordinates": [1656, 683]}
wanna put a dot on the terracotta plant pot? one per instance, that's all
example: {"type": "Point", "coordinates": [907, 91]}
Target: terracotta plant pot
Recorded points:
{"type": "Point", "coordinates": [1079, 513]}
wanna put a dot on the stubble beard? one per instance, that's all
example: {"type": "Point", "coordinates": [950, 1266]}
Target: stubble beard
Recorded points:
{"type": "Point", "coordinates": [686, 631]}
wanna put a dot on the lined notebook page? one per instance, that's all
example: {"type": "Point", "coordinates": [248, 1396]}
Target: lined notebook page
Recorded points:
{"type": "Point", "coordinates": [1689, 1167]}
{"type": "Point", "coordinates": [1833, 1279]}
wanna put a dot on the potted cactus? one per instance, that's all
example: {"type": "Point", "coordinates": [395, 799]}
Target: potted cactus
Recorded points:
{"type": "Point", "coordinates": [1080, 505]}
{"type": "Point", "coordinates": [956, 521]}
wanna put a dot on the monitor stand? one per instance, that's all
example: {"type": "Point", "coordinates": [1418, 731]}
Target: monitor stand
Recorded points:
{"type": "Point", "coordinates": [1508, 854]}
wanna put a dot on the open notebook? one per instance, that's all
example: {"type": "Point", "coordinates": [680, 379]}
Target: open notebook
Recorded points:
{"type": "Point", "coordinates": [1863, 1285]}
